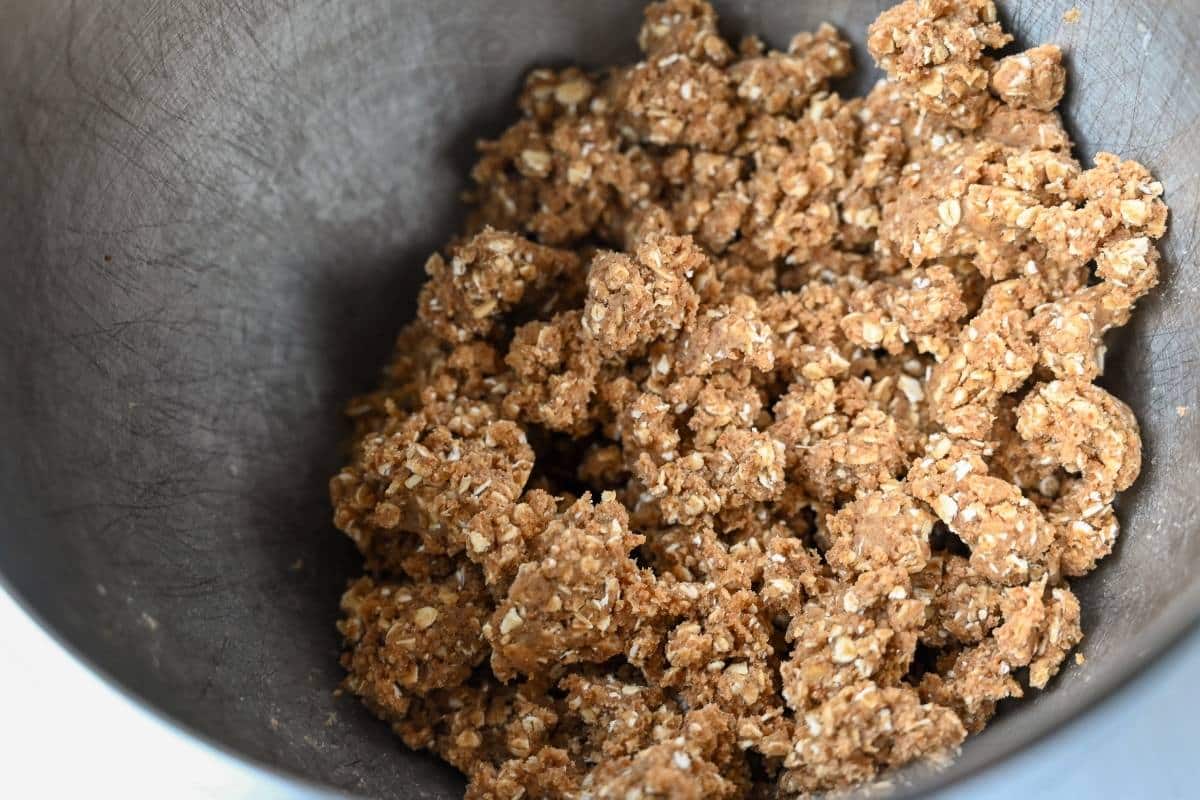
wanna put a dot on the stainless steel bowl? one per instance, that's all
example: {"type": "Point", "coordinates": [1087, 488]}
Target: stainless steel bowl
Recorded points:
{"type": "Point", "coordinates": [213, 216]}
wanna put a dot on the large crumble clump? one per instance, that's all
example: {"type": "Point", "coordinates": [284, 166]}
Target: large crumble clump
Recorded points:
{"type": "Point", "coordinates": [746, 441]}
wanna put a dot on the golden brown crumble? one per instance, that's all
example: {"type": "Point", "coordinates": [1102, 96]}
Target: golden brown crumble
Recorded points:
{"type": "Point", "coordinates": [745, 442]}
{"type": "Point", "coordinates": [1034, 79]}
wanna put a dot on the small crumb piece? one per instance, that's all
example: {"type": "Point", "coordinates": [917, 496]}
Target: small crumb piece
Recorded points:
{"type": "Point", "coordinates": [936, 49]}
{"type": "Point", "coordinates": [1034, 79]}
{"type": "Point", "coordinates": [634, 301]}
{"type": "Point", "coordinates": [480, 280]}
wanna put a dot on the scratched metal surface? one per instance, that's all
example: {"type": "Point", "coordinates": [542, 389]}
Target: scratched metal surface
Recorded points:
{"type": "Point", "coordinates": [212, 219]}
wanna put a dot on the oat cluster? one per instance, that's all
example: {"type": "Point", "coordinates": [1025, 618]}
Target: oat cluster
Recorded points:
{"type": "Point", "coordinates": [746, 441]}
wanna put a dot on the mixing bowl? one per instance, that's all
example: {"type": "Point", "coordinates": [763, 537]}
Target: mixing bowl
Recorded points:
{"type": "Point", "coordinates": [213, 217]}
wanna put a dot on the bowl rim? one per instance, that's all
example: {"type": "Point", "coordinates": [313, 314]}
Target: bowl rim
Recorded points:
{"type": "Point", "coordinates": [1153, 645]}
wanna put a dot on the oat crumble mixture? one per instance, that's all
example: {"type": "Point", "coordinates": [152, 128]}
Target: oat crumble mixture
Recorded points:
{"type": "Point", "coordinates": [746, 442]}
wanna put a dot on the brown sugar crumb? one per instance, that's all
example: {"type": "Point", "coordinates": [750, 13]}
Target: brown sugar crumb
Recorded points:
{"type": "Point", "coordinates": [424, 481]}
{"type": "Point", "coordinates": [962, 605]}
{"type": "Point", "coordinates": [992, 358]}
{"type": "Point", "coordinates": [1040, 628]}
{"type": "Point", "coordinates": [921, 307]}
{"type": "Point", "coordinates": [884, 528]}
{"type": "Point", "coordinates": [1034, 79]}
{"type": "Point", "coordinates": [746, 440]}
{"type": "Point", "coordinates": [675, 100]}
{"type": "Point", "coordinates": [1072, 15]}
{"type": "Point", "coordinates": [483, 279]}
{"type": "Point", "coordinates": [935, 48]}
{"type": "Point", "coordinates": [555, 367]}
{"type": "Point", "coordinates": [572, 604]}
{"type": "Point", "coordinates": [420, 636]}
{"type": "Point", "coordinates": [1006, 532]}
{"type": "Point", "coordinates": [693, 760]}
{"type": "Point", "coordinates": [727, 337]}
{"type": "Point", "coordinates": [971, 681]}
{"type": "Point", "coordinates": [1088, 432]}
{"type": "Point", "coordinates": [684, 27]}
{"type": "Point", "coordinates": [635, 301]}
{"type": "Point", "coordinates": [785, 82]}
{"type": "Point", "coordinates": [863, 730]}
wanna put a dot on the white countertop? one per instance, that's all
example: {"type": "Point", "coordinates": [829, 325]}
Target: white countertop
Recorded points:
{"type": "Point", "coordinates": [97, 743]}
